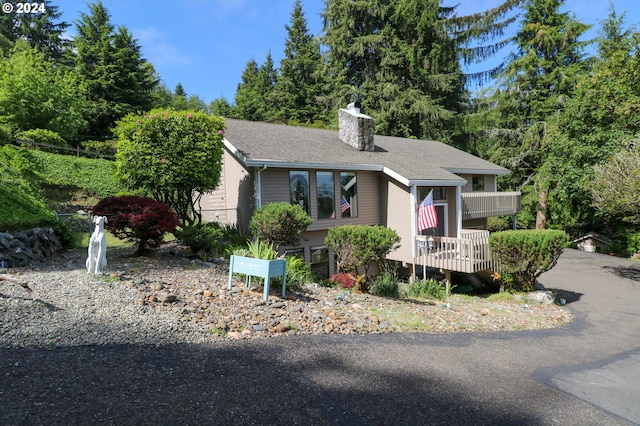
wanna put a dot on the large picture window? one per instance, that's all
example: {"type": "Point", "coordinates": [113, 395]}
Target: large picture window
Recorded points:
{"type": "Point", "coordinates": [299, 188]}
{"type": "Point", "coordinates": [348, 194]}
{"type": "Point", "coordinates": [326, 195]}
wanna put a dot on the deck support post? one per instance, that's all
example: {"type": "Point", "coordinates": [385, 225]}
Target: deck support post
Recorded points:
{"type": "Point", "coordinates": [447, 277]}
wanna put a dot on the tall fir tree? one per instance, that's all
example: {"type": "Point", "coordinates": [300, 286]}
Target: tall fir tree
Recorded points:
{"type": "Point", "coordinates": [533, 89]}
{"type": "Point", "coordinates": [255, 98]}
{"type": "Point", "coordinates": [43, 30]}
{"type": "Point", "coordinates": [402, 59]}
{"type": "Point", "coordinates": [116, 79]}
{"type": "Point", "coordinates": [299, 87]}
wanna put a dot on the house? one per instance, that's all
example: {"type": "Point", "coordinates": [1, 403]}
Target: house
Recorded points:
{"type": "Point", "coordinates": [592, 242]}
{"type": "Point", "coordinates": [352, 176]}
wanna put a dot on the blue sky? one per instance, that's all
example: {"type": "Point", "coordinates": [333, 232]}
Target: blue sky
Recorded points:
{"type": "Point", "coordinates": [205, 44]}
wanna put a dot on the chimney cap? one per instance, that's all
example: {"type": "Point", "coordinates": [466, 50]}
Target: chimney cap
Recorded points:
{"type": "Point", "coordinates": [354, 106]}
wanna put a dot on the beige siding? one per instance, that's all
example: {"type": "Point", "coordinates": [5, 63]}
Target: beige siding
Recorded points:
{"type": "Point", "coordinates": [232, 201]}
{"type": "Point", "coordinates": [275, 188]}
{"type": "Point", "coordinates": [451, 213]}
{"type": "Point", "coordinates": [489, 183]}
{"type": "Point", "coordinates": [398, 218]}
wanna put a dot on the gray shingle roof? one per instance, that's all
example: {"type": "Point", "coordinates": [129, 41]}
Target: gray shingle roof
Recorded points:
{"type": "Point", "coordinates": [414, 160]}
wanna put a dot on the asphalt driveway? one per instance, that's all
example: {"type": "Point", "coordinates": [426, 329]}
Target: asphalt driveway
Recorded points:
{"type": "Point", "coordinates": [585, 373]}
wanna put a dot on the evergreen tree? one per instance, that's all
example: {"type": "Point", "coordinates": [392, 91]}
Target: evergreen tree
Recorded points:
{"type": "Point", "coordinates": [179, 101]}
{"type": "Point", "coordinates": [299, 86]}
{"type": "Point", "coordinates": [595, 123]}
{"type": "Point", "coordinates": [116, 79]}
{"type": "Point", "coordinates": [401, 58]}
{"type": "Point", "coordinates": [255, 99]}
{"type": "Point", "coordinates": [533, 89]}
{"type": "Point", "coordinates": [42, 30]}
{"type": "Point", "coordinates": [220, 107]}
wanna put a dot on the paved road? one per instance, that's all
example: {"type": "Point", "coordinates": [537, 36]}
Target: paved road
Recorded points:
{"type": "Point", "coordinates": [587, 373]}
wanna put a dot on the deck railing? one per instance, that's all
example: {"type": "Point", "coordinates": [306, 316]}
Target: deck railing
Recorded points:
{"type": "Point", "coordinates": [486, 204]}
{"type": "Point", "coordinates": [470, 253]}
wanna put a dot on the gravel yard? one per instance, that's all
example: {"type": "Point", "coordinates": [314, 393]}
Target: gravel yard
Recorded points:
{"type": "Point", "coordinates": [168, 299]}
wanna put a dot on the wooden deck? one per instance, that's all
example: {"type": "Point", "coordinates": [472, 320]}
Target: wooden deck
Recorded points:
{"type": "Point", "coordinates": [469, 254]}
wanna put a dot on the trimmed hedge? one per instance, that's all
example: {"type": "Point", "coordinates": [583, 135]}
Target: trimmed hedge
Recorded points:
{"type": "Point", "coordinates": [526, 254]}
{"type": "Point", "coordinates": [280, 224]}
{"type": "Point", "coordinates": [361, 246]}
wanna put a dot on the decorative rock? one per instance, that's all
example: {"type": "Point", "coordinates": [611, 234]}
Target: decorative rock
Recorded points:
{"type": "Point", "coordinates": [283, 327]}
{"type": "Point", "coordinates": [278, 305]}
{"type": "Point", "coordinates": [541, 297]}
{"type": "Point", "coordinates": [167, 298]}
{"type": "Point", "coordinates": [207, 293]}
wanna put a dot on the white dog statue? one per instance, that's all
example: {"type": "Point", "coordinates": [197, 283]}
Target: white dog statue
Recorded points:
{"type": "Point", "coordinates": [97, 260]}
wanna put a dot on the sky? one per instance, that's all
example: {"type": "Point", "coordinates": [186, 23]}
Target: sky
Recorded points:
{"type": "Point", "coordinates": [205, 44]}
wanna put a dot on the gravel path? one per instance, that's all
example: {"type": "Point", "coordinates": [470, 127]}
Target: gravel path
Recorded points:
{"type": "Point", "coordinates": [169, 299]}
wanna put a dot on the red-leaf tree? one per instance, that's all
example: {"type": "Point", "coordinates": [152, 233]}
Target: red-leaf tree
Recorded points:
{"type": "Point", "coordinates": [141, 220]}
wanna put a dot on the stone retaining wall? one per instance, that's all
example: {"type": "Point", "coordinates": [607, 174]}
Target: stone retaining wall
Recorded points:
{"type": "Point", "coordinates": [23, 248]}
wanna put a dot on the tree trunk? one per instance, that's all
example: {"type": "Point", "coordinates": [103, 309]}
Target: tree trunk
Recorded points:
{"type": "Point", "coordinates": [541, 214]}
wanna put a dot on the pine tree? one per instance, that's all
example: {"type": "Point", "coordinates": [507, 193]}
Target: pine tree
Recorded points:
{"type": "Point", "coordinates": [255, 99]}
{"type": "Point", "coordinates": [299, 85]}
{"type": "Point", "coordinates": [42, 30]}
{"type": "Point", "coordinates": [401, 58]}
{"type": "Point", "coordinates": [116, 79]}
{"type": "Point", "coordinates": [533, 90]}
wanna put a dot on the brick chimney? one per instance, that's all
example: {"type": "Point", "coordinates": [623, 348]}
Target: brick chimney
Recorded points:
{"type": "Point", "coordinates": [355, 129]}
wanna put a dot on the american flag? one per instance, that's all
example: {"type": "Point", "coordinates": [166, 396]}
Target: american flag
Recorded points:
{"type": "Point", "coordinates": [344, 205]}
{"type": "Point", "coordinates": [427, 216]}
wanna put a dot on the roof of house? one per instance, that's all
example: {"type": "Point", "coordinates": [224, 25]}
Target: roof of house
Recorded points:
{"type": "Point", "coordinates": [594, 236]}
{"type": "Point", "coordinates": [408, 160]}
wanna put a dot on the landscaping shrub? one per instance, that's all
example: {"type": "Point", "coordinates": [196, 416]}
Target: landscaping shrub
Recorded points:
{"type": "Point", "coordinates": [343, 279]}
{"type": "Point", "coordinates": [427, 289]}
{"type": "Point", "coordinates": [141, 220]}
{"type": "Point", "coordinates": [94, 175]}
{"type": "Point", "coordinates": [203, 237]}
{"type": "Point", "coordinates": [101, 147]}
{"type": "Point", "coordinates": [298, 272]}
{"type": "Point", "coordinates": [42, 136]}
{"type": "Point", "coordinates": [526, 254]}
{"type": "Point", "coordinates": [360, 246]}
{"type": "Point", "coordinates": [386, 284]}
{"type": "Point", "coordinates": [5, 135]}
{"type": "Point", "coordinates": [22, 205]}
{"type": "Point", "coordinates": [280, 223]}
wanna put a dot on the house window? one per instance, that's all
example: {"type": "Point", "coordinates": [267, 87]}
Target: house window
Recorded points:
{"type": "Point", "coordinates": [295, 252]}
{"type": "Point", "coordinates": [320, 261]}
{"type": "Point", "coordinates": [326, 195]}
{"type": "Point", "coordinates": [348, 194]}
{"type": "Point", "coordinates": [439, 192]}
{"type": "Point", "coordinates": [477, 182]}
{"type": "Point", "coordinates": [299, 188]}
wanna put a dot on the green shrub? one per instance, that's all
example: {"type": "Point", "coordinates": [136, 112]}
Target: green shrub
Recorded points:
{"type": "Point", "coordinates": [203, 237]}
{"type": "Point", "coordinates": [427, 289]}
{"type": "Point", "coordinates": [5, 135]}
{"type": "Point", "coordinates": [298, 272]}
{"type": "Point", "coordinates": [280, 223]}
{"type": "Point", "coordinates": [22, 205]}
{"type": "Point", "coordinates": [526, 254]}
{"type": "Point", "coordinates": [102, 147]}
{"type": "Point", "coordinates": [360, 246]}
{"type": "Point", "coordinates": [42, 136]}
{"type": "Point", "coordinates": [93, 175]}
{"type": "Point", "coordinates": [386, 284]}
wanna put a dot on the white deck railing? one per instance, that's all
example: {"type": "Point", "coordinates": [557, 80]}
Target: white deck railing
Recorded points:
{"type": "Point", "coordinates": [486, 204]}
{"type": "Point", "coordinates": [467, 254]}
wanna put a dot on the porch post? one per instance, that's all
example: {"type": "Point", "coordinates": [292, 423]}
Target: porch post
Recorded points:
{"type": "Point", "coordinates": [414, 228]}
{"type": "Point", "coordinates": [458, 211]}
